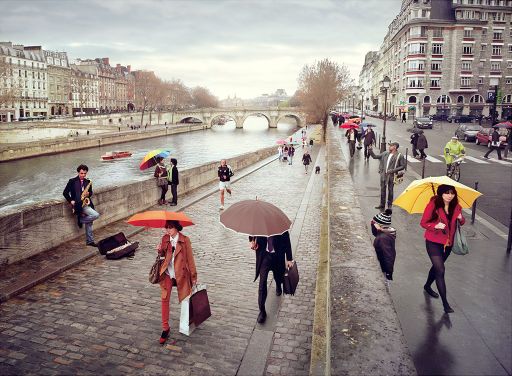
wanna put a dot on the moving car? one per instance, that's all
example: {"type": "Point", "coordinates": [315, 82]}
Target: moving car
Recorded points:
{"type": "Point", "coordinates": [422, 123]}
{"type": "Point", "coordinates": [460, 119]}
{"type": "Point", "coordinates": [484, 137]}
{"type": "Point", "coordinates": [467, 132]}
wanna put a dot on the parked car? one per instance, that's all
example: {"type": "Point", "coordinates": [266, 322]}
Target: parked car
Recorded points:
{"type": "Point", "coordinates": [467, 132]}
{"type": "Point", "coordinates": [439, 117]}
{"type": "Point", "coordinates": [422, 123]}
{"type": "Point", "coordinates": [484, 137]}
{"type": "Point", "coordinates": [460, 118]}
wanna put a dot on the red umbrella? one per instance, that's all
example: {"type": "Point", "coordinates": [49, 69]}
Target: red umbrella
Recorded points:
{"type": "Point", "coordinates": [505, 124]}
{"type": "Point", "coordinates": [158, 218]}
{"type": "Point", "coordinates": [349, 125]}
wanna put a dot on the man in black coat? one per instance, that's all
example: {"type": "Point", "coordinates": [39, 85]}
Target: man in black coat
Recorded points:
{"type": "Point", "coordinates": [73, 193]}
{"type": "Point", "coordinates": [174, 181]}
{"type": "Point", "coordinates": [270, 255]}
{"type": "Point", "coordinates": [495, 144]}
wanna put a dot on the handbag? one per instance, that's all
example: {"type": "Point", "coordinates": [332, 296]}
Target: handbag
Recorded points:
{"type": "Point", "coordinates": [460, 243]}
{"type": "Point", "coordinates": [291, 280]}
{"type": "Point", "coordinates": [161, 181]}
{"type": "Point", "coordinates": [187, 313]}
{"type": "Point", "coordinates": [398, 178]}
{"type": "Point", "coordinates": [154, 272]}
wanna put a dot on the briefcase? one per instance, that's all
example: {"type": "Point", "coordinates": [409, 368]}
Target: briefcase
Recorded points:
{"type": "Point", "coordinates": [117, 246]}
{"type": "Point", "coordinates": [291, 280]}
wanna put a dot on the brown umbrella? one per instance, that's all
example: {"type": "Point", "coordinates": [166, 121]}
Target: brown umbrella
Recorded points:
{"type": "Point", "coordinates": [255, 217]}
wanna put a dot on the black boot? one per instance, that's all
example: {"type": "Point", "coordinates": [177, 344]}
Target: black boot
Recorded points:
{"type": "Point", "coordinates": [262, 317]}
{"type": "Point", "coordinates": [431, 292]}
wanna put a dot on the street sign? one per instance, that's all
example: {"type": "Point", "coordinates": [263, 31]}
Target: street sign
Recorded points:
{"type": "Point", "coordinates": [490, 97]}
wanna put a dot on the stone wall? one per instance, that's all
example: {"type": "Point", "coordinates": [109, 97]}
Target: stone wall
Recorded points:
{"type": "Point", "coordinates": [33, 229]}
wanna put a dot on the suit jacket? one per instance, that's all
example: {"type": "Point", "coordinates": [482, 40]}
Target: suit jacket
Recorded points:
{"type": "Point", "coordinates": [282, 247]}
{"type": "Point", "coordinates": [184, 264]}
{"type": "Point", "coordinates": [73, 192]}
{"type": "Point", "coordinates": [400, 164]}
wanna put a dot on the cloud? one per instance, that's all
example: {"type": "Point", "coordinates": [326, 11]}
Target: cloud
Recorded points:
{"type": "Point", "coordinates": [244, 47]}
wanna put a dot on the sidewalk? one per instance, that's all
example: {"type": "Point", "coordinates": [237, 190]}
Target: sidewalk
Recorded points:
{"type": "Point", "coordinates": [103, 316]}
{"type": "Point", "coordinates": [476, 339]}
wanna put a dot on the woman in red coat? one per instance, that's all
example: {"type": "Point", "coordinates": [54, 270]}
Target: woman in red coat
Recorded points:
{"type": "Point", "coordinates": [439, 221]}
{"type": "Point", "coordinates": [178, 269]}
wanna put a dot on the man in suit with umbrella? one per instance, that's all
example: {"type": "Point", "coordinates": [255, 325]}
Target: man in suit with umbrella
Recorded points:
{"type": "Point", "coordinates": [270, 255]}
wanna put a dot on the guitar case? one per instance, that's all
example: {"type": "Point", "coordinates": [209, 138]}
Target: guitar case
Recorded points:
{"type": "Point", "coordinates": [116, 246]}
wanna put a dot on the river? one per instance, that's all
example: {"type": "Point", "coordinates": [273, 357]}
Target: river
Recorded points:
{"type": "Point", "coordinates": [44, 178]}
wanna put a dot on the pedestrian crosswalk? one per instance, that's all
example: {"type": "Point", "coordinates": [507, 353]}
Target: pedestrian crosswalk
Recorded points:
{"type": "Point", "coordinates": [467, 159]}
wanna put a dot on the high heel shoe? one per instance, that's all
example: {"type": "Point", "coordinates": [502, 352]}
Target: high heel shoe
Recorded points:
{"type": "Point", "coordinates": [431, 292]}
{"type": "Point", "coordinates": [164, 336]}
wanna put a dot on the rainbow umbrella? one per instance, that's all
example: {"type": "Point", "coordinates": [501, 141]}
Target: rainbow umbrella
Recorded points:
{"type": "Point", "coordinates": [150, 158]}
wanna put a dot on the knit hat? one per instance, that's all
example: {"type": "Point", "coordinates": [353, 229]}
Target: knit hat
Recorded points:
{"type": "Point", "coordinates": [384, 218]}
{"type": "Point", "coordinates": [443, 188]}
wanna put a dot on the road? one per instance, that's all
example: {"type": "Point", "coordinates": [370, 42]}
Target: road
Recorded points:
{"type": "Point", "coordinates": [494, 177]}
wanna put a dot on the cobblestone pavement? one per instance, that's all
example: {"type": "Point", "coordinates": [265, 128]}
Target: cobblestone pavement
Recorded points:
{"type": "Point", "coordinates": [104, 317]}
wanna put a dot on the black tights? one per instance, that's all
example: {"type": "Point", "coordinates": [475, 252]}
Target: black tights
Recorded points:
{"type": "Point", "coordinates": [438, 255]}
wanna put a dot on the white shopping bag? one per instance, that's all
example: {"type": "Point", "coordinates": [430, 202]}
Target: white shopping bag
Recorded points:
{"type": "Point", "coordinates": [186, 326]}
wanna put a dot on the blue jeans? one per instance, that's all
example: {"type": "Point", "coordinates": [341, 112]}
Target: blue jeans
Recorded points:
{"type": "Point", "coordinates": [90, 215]}
{"type": "Point", "coordinates": [290, 159]}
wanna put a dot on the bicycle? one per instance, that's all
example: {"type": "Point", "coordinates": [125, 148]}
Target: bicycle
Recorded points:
{"type": "Point", "coordinates": [454, 171]}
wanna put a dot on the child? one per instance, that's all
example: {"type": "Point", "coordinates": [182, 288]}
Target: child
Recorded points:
{"type": "Point", "coordinates": [384, 242]}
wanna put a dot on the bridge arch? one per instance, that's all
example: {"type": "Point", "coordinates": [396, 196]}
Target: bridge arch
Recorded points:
{"type": "Point", "coordinates": [219, 119]}
{"type": "Point", "coordinates": [297, 118]}
{"type": "Point", "coordinates": [188, 118]}
{"type": "Point", "coordinates": [269, 120]}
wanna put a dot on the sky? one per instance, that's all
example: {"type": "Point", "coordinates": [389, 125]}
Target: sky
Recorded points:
{"type": "Point", "coordinates": [232, 47]}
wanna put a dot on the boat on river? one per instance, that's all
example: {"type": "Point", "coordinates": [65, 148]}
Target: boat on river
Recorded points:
{"type": "Point", "coordinates": [111, 155]}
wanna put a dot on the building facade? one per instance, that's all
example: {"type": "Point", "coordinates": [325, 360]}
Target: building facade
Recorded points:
{"type": "Point", "coordinates": [59, 83]}
{"type": "Point", "coordinates": [84, 90]}
{"type": "Point", "coordinates": [445, 57]}
{"type": "Point", "coordinates": [28, 77]}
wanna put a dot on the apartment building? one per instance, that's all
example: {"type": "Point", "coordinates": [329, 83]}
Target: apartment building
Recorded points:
{"type": "Point", "coordinates": [59, 83]}
{"type": "Point", "coordinates": [445, 57]}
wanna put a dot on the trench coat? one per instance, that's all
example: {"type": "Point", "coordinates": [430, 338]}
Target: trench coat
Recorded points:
{"type": "Point", "coordinates": [184, 264]}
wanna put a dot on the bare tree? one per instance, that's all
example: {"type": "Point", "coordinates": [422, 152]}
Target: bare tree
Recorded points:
{"type": "Point", "coordinates": [321, 86]}
{"type": "Point", "coordinates": [82, 86]}
{"type": "Point", "coordinates": [10, 88]}
{"type": "Point", "coordinates": [295, 101]}
{"type": "Point", "coordinates": [202, 98]}
{"type": "Point", "coordinates": [144, 86]}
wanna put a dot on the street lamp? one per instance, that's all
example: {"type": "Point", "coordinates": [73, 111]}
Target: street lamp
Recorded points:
{"type": "Point", "coordinates": [353, 103]}
{"type": "Point", "coordinates": [362, 103]}
{"type": "Point", "coordinates": [494, 82]}
{"type": "Point", "coordinates": [386, 82]}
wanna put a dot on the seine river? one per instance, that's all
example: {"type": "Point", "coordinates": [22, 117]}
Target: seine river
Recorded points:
{"type": "Point", "coordinates": [44, 178]}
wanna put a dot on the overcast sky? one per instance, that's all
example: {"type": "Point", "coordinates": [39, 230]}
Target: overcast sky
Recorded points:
{"type": "Point", "coordinates": [232, 47]}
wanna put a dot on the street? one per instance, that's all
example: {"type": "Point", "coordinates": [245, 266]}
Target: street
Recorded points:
{"type": "Point", "coordinates": [476, 339]}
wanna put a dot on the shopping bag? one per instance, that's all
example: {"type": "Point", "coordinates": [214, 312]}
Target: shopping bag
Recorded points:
{"type": "Point", "coordinates": [460, 244]}
{"type": "Point", "coordinates": [291, 280]}
{"type": "Point", "coordinates": [187, 325]}
{"type": "Point", "coordinates": [200, 307]}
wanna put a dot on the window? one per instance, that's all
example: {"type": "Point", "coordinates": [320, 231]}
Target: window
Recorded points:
{"type": "Point", "coordinates": [483, 47]}
{"type": "Point", "coordinates": [497, 34]}
{"type": "Point", "coordinates": [510, 48]}
{"type": "Point", "coordinates": [414, 82]}
{"type": "Point", "coordinates": [508, 81]}
{"type": "Point", "coordinates": [465, 81]}
{"type": "Point", "coordinates": [412, 99]}
{"type": "Point", "coordinates": [480, 81]}
{"type": "Point", "coordinates": [417, 48]}
{"type": "Point", "coordinates": [476, 99]}
{"type": "Point", "coordinates": [468, 33]}
{"type": "Point", "coordinates": [467, 49]}
{"type": "Point", "coordinates": [437, 32]}
{"type": "Point", "coordinates": [466, 65]}
{"type": "Point", "coordinates": [426, 99]}
{"type": "Point", "coordinates": [434, 82]}
{"type": "Point", "coordinates": [460, 99]}
{"type": "Point", "coordinates": [484, 32]}
{"type": "Point", "coordinates": [416, 65]}
{"type": "Point", "coordinates": [495, 65]}
{"type": "Point", "coordinates": [435, 66]}
{"type": "Point", "coordinates": [437, 48]}
{"type": "Point", "coordinates": [496, 50]}
{"type": "Point", "coordinates": [509, 64]}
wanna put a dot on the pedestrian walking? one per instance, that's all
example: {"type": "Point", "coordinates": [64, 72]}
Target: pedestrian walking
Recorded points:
{"type": "Point", "coordinates": [350, 134]}
{"type": "Point", "coordinates": [273, 253]}
{"type": "Point", "coordinates": [177, 269]}
{"type": "Point", "coordinates": [78, 193]}
{"type": "Point", "coordinates": [291, 153]}
{"type": "Point", "coordinates": [306, 160]}
{"type": "Point", "coordinates": [422, 144]}
{"type": "Point", "coordinates": [174, 181]}
{"type": "Point", "coordinates": [495, 144]}
{"type": "Point", "coordinates": [391, 163]}
{"type": "Point", "coordinates": [285, 153]}
{"type": "Point", "coordinates": [384, 243]}
{"type": "Point", "coordinates": [404, 119]}
{"type": "Point", "coordinates": [508, 147]}
{"type": "Point", "coordinates": [162, 181]}
{"type": "Point", "coordinates": [280, 152]}
{"type": "Point", "coordinates": [414, 143]}
{"type": "Point", "coordinates": [439, 221]}
{"type": "Point", "coordinates": [369, 140]}
{"type": "Point", "coordinates": [224, 173]}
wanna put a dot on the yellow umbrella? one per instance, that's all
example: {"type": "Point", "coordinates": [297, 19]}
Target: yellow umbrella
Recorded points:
{"type": "Point", "coordinates": [418, 194]}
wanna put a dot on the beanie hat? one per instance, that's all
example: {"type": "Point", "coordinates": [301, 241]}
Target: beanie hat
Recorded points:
{"type": "Point", "coordinates": [443, 188]}
{"type": "Point", "coordinates": [384, 218]}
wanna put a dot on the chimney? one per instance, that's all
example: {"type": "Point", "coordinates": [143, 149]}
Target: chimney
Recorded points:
{"type": "Point", "coordinates": [129, 67]}
{"type": "Point", "coordinates": [106, 61]}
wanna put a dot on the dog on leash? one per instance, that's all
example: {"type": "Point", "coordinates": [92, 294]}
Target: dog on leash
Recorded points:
{"type": "Point", "coordinates": [317, 169]}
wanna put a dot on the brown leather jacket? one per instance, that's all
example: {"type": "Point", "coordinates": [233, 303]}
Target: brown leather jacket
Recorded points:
{"type": "Point", "coordinates": [184, 264]}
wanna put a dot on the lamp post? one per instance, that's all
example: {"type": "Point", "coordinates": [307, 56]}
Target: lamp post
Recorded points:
{"type": "Point", "coordinates": [362, 103]}
{"type": "Point", "coordinates": [353, 103]}
{"type": "Point", "coordinates": [385, 86]}
{"type": "Point", "coordinates": [494, 82]}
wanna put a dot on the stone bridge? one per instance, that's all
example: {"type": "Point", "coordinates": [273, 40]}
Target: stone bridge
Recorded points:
{"type": "Point", "coordinates": [239, 114]}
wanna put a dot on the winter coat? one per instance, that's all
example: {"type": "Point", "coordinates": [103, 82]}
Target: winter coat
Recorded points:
{"type": "Point", "coordinates": [184, 264]}
{"type": "Point", "coordinates": [384, 245]}
{"type": "Point", "coordinates": [414, 140]}
{"type": "Point", "coordinates": [421, 143]}
{"type": "Point", "coordinates": [369, 137]}
{"type": "Point", "coordinates": [435, 235]}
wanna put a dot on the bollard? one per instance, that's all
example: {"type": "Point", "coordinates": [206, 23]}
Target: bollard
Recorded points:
{"type": "Point", "coordinates": [423, 167]}
{"type": "Point", "coordinates": [406, 156]}
{"type": "Point", "coordinates": [379, 143]}
{"type": "Point", "coordinates": [509, 242]}
{"type": "Point", "coordinates": [473, 209]}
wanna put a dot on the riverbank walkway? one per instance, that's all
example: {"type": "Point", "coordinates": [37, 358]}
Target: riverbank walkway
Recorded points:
{"type": "Point", "coordinates": [103, 317]}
